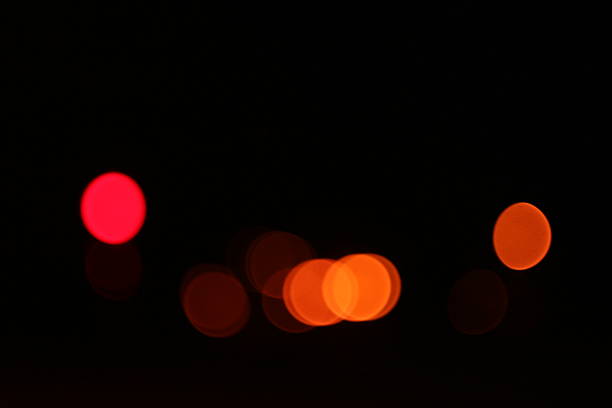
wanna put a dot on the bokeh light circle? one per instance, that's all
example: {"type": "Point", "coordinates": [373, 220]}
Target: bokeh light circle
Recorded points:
{"type": "Point", "coordinates": [358, 287]}
{"type": "Point", "coordinates": [113, 208]}
{"type": "Point", "coordinates": [276, 310]}
{"type": "Point", "coordinates": [272, 252]}
{"type": "Point", "coordinates": [278, 315]}
{"type": "Point", "coordinates": [113, 271]}
{"type": "Point", "coordinates": [340, 290]}
{"type": "Point", "coordinates": [215, 302]}
{"type": "Point", "coordinates": [521, 236]}
{"type": "Point", "coordinates": [396, 286]}
{"type": "Point", "coordinates": [478, 302]}
{"type": "Point", "coordinates": [303, 293]}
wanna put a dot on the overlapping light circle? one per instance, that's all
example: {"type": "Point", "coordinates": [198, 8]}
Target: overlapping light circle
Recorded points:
{"type": "Point", "coordinates": [298, 291]}
{"type": "Point", "coordinates": [358, 287]}
{"type": "Point", "coordinates": [304, 296]}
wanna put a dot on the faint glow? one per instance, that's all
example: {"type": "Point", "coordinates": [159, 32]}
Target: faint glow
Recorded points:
{"type": "Point", "coordinates": [358, 287]}
{"type": "Point", "coordinates": [303, 294]}
{"type": "Point", "coordinates": [478, 302]}
{"type": "Point", "coordinates": [113, 208]}
{"type": "Point", "coordinates": [277, 313]}
{"type": "Point", "coordinates": [521, 236]}
{"type": "Point", "coordinates": [273, 252]}
{"type": "Point", "coordinates": [113, 271]}
{"type": "Point", "coordinates": [238, 246]}
{"type": "Point", "coordinates": [214, 301]}
{"type": "Point", "coordinates": [525, 306]}
{"type": "Point", "coordinates": [274, 285]}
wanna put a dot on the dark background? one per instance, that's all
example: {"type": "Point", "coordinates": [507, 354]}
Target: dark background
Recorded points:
{"type": "Point", "coordinates": [401, 132]}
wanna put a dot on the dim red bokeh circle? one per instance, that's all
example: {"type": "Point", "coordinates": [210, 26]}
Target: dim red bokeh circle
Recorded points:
{"type": "Point", "coordinates": [271, 253]}
{"type": "Point", "coordinates": [215, 302]}
{"type": "Point", "coordinates": [478, 302]}
{"type": "Point", "coordinates": [113, 208]}
{"type": "Point", "coordinates": [276, 310]}
{"type": "Point", "coordinates": [113, 271]}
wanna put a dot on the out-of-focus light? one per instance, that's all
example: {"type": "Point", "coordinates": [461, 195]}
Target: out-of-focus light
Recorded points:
{"type": "Point", "coordinates": [303, 295]}
{"type": "Point", "coordinates": [521, 236]}
{"type": "Point", "coordinates": [396, 286]}
{"type": "Point", "coordinates": [478, 302]}
{"type": "Point", "coordinates": [272, 252]}
{"type": "Point", "coordinates": [358, 287]}
{"type": "Point", "coordinates": [277, 313]}
{"type": "Point", "coordinates": [113, 208]}
{"type": "Point", "coordinates": [113, 271]}
{"type": "Point", "coordinates": [526, 306]}
{"type": "Point", "coordinates": [238, 246]}
{"type": "Point", "coordinates": [340, 290]}
{"type": "Point", "coordinates": [214, 301]}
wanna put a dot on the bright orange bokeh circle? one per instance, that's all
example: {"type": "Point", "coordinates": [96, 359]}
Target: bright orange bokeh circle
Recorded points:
{"type": "Point", "coordinates": [303, 295]}
{"type": "Point", "coordinates": [521, 236]}
{"type": "Point", "coordinates": [396, 286]}
{"type": "Point", "coordinates": [359, 288]}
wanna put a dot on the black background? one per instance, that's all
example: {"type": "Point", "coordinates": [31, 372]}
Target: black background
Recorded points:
{"type": "Point", "coordinates": [398, 132]}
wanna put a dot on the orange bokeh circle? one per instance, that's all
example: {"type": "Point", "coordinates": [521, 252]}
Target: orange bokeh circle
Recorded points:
{"type": "Point", "coordinates": [521, 236]}
{"type": "Point", "coordinates": [358, 288]}
{"type": "Point", "coordinates": [396, 286]}
{"type": "Point", "coordinates": [303, 294]}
